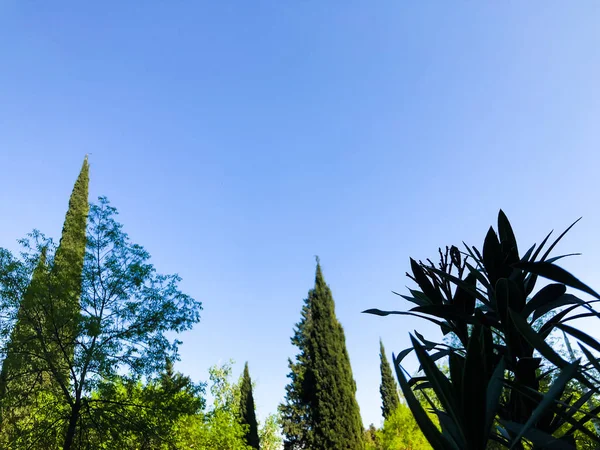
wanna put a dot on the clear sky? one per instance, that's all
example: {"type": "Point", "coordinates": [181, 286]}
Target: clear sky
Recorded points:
{"type": "Point", "coordinates": [239, 139]}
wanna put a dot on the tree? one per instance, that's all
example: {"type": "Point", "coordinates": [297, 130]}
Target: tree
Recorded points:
{"type": "Point", "coordinates": [372, 439]}
{"type": "Point", "coordinates": [247, 412]}
{"type": "Point", "coordinates": [388, 389]}
{"type": "Point", "coordinates": [41, 347]}
{"type": "Point", "coordinates": [127, 317]}
{"type": "Point", "coordinates": [296, 416]}
{"type": "Point", "coordinates": [321, 398]}
{"type": "Point", "coordinates": [401, 431]}
{"type": "Point", "coordinates": [270, 438]}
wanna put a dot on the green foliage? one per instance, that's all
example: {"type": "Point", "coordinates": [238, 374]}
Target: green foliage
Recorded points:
{"type": "Point", "coordinates": [296, 415]}
{"type": "Point", "coordinates": [247, 412]}
{"type": "Point", "coordinates": [401, 431]}
{"type": "Point", "coordinates": [41, 345]}
{"type": "Point", "coordinates": [94, 308]}
{"type": "Point", "coordinates": [388, 388]}
{"type": "Point", "coordinates": [372, 438]}
{"type": "Point", "coordinates": [270, 438]}
{"type": "Point", "coordinates": [321, 400]}
{"type": "Point", "coordinates": [498, 387]}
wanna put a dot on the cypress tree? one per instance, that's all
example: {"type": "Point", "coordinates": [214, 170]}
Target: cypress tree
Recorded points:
{"type": "Point", "coordinates": [296, 417]}
{"type": "Point", "coordinates": [67, 269]}
{"type": "Point", "coordinates": [247, 413]}
{"type": "Point", "coordinates": [321, 394]}
{"type": "Point", "coordinates": [50, 305]}
{"type": "Point", "coordinates": [388, 390]}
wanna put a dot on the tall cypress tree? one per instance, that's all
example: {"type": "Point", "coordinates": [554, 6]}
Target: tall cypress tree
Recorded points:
{"type": "Point", "coordinates": [53, 298]}
{"type": "Point", "coordinates": [388, 389]}
{"type": "Point", "coordinates": [69, 258]}
{"type": "Point", "coordinates": [296, 416]}
{"type": "Point", "coordinates": [247, 412]}
{"type": "Point", "coordinates": [42, 341]}
{"type": "Point", "coordinates": [322, 391]}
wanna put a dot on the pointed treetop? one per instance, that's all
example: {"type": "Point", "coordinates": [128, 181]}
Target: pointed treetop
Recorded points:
{"type": "Point", "coordinates": [388, 389]}
{"type": "Point", "coordinates": [319, 279]}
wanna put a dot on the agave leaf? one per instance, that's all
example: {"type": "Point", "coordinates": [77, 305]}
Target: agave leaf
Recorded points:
{"type": "Point", "coordinates": [462, 283]}
{"type": "Point", "coordinates": [556, 258]}
{"type": "Point", "coordinates": [449, 427]}
{"type": "Point", "coordinates": [577, 425]}
{"type": "Point", "coordinates": [474, 386]}
{"type": "Point", "coordinates": [555, 273]}
{"type": "Point", "coordinates": [415, 300]}
{"type": "Point", "coordinates": [528, 253]}
{"type": "Point", "coordinates": [446, 312]}
{"type": "Point", "coordinates": [595, 362]}
{"type": "Point", "coordinates": [565, 299]}
{"type": "Point", "coordinates": [546, 294]}
{"type": "Point", "coordinates": [539, 438]}
{"type": "Point", "coordinates": [583, 337]}
{"type": "Point", "coordinates": [429, 345]}
{"type": "Point", "coordinates": [379, 312]}
{"type": "Point", "coordinates": [479, 275]}
{"type": "Point", "coordinates": [428, 428]}
{"type": "Point", "coordinates": [424, 283]}
{"type": "Point", "coordinates": [492, 397]}
{"type": "Point", "coordinates": [557, 388]}
{"type": "Point", "coordinates": [536, 341]}
{"type": "Point", "coordinates": [492, 256]}
{"type": "Point", "coordinates": [463, 299]}
{"type": "Point", "coordinates": [558, 240]}
{"type": "Point", "coordinates": [441, 385]}
{"type": "Point", "coordinates": [508, 241]}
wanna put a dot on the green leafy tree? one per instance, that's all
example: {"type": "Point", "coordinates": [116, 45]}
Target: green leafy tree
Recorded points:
{"type": "Point", "coordinates": [401, 431]}
{"type": "Point", "coordinates": [133, 415]}
{"type": "Point", "coordinates": [388, 388]}
{"type": "Point", "coordinates": [247, 411]}
{"type": "Point", "coordinates": [372, 438]}
{"type": "Point", "coordinates": [323, 382]}
{"type": "Point", "coordinates": [128, 315]}
{"type": "Point", "coordinates": [40, 351]}
{"type": "Point", "coordinates": [270, 437]}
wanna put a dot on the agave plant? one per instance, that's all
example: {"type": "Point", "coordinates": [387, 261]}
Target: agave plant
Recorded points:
{"type": "Point", "coordinates": [505, 383]}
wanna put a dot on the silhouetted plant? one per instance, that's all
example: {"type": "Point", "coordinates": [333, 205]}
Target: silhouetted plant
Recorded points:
{"type": "Point", "coordinates": [497, 388]}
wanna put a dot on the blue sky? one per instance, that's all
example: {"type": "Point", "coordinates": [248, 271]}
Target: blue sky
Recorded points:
{"type": "Point", "coordinates": [239, 139]}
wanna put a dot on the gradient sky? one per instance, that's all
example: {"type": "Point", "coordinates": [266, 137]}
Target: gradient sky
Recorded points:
{"type": "Point", "coordinates": [239, 139]}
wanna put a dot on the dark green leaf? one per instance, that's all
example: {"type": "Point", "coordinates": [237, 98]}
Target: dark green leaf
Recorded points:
{"type": "Point", "coordinates": [428, 428]}
{"type": "Point", "coordinates": [379, 312]}
{"type": "Point", "coordinates": [464, 300]}
{"type": "Point", "coordinates": [565, 299]}
{"type": "Point", "coordinates": [557, 388]}
{"type": "Point", "coordinates": [593, 360]}
{"type": "Point", "coordinates": [546, 294]}
{"type": "Point", "coordinates": [583, 337]}
{"type": "Point", "coordinates": [507, 239]}
{"type": "Point", "coordinates": [446, 312]}
{"type": "Point", "coordinates": [540, 439]}
{"type": "Point", "coordinates": [492, 397]}
{"type": "Point", "coordinates": [558, 240]}
{"type": "Point", "coordinates": [536, 341]}
{"type": "Point", "coordinates": [424, 283]}
{"type": "Point", "coordinates": [440, 384]}
{"type": "Point", "coordinates": [555, 273]}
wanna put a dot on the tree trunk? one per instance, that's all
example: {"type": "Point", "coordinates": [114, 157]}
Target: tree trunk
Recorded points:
{"type": "Point", "coordinates": [72, 425]}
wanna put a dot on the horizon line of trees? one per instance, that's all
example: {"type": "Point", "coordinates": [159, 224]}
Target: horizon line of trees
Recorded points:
{"type": "Point", "coordinates": [88, 355]}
